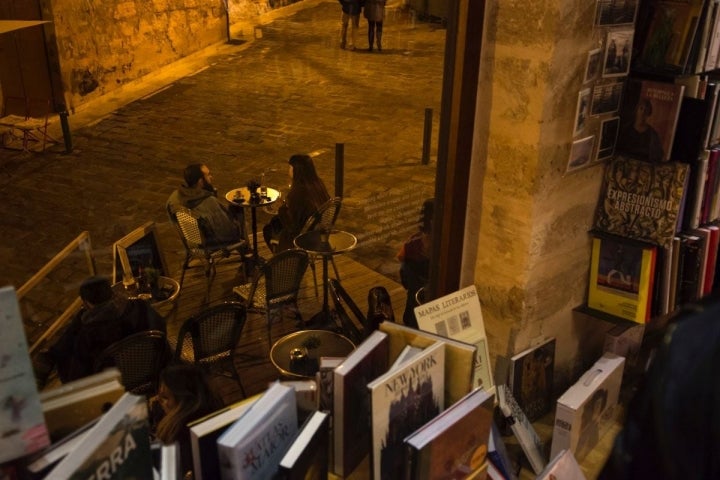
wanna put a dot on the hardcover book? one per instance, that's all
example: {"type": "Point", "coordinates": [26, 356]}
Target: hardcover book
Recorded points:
{"type": "Point", "coordinates": [531, 379]}
{"type": "Point", "coordinates": [22, 425]}
{"type": "Point", "coordinates": [458, 316]}
{"type": "Point", "coordinates": [641, 200]}
{"type": "Point", "coordinates": [459, 356]}
{"type": "Point", "coordinates": [251, 448]}
{"type": "Point", "coordinates": [621, 278]}
{"type": "Point", "coordinates": [563, 466]}
{"type": "Point", "coordinates": [455, 443]}
{"type": "Point", "coordinates": [324, 379]}
{"type": "Point", "coordinates": [116, 447]}
{"type": "Point", "coordinates": [402, 401]}
{"type": "Point", "coordinates": [648, 118]}
{"type": "Point", "coordinates": [307, 457]}
{"type": "Point", "coordinates": [204, 433]}
{"type": "Point", "coordinates": [521, 428]}
{"type": "Point", "coordinates": [351, 401]}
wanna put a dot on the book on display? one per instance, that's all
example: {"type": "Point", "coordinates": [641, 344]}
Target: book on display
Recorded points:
{"type": "Point", "coordinates": [307, 457]}
{"type": "Point", "coordinates": [531, 378]}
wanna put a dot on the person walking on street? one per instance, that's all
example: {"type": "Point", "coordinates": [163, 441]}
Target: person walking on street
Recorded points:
{"type": "Point", "coordinates": [350, 14]}
{"type": "Point", "coordinates": [375, 13]}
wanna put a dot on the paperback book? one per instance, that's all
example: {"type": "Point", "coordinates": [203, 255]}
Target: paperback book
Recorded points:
{"type": "Point", "coordinates": [455, 443]}
{"type": "Point", "coordinates": [402, 401]}
{"type": "Point", "coordinates": [521, 428]}
{"type": "Point", "coordinates": [307, 457]}
{"type": "Point", "coordinates": [531, 379]}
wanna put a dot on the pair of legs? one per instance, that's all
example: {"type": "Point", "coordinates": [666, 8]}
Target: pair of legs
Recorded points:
{"type": "Point", "coordinates": [375, 32]}
{"type": "Point", "coordinates": [354, 21]}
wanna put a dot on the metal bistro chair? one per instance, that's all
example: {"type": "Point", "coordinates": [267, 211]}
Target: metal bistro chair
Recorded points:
{"type": "Point", "coordinates": [140, 358]}
{"type": "Point", "coordinates": [209, 339]}
{"type": "Point", "coordinates": [275, 286]}
{"type": "Point", "coordinates": [324, 218]}
{"type": "Point", "coordinates": [188, 227]}
{"type": "Point", "coordinates": [27, 120]}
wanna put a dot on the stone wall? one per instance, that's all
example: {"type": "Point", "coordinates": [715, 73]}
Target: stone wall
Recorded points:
{"type": "Point", "coordinates": [530, 254]}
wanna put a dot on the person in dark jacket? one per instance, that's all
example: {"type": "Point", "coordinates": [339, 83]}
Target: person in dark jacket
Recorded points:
{"type": "Point", "coordinates": [350, 14]}
{"type": "Point", "coordinates": [374, 11]}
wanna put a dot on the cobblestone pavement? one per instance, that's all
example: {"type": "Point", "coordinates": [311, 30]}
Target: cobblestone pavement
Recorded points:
{"type": "Point", "coordinates": [290, 89]}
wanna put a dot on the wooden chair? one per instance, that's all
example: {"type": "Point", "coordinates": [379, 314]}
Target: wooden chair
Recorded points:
{"type": "Point", "coordinates": [140, 358]}
{"type": "Point", "coordinates": [209, 339]}
{"type": "Point", "coordinates": [275, 286]}
{"type": "Point", "coordinates": [324, 219]}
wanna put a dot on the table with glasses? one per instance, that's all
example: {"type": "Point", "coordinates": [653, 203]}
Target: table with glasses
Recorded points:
{"type": "Point", "coordinates": [162, 298]}
{"type": "Point", "coordinates": [325, 244]}
{"type": "Point", "coordinates": [297, 355]}
{"type": "Point", "coordinates": [242, 197]}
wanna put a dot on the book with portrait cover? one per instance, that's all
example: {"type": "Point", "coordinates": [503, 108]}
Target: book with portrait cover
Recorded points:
{"type": "Point", "coordinates": [403, 400]}
{"type": "Point", "coordinates": [622, 276]}
{"type": "Point", "coordinates": [454, 444]}
{"type": "Point", "coordinates": [458, 315]}
{"type": "Point", "coordinates": [116, 447]}
{"type": "Point", "coordinates": [251, 448]}
{"type": "Point", "coordinates": [641, 200]}
{"type": "Point", "coordinates": [22, 425]}
{"type": "Point", "coordinates": [531, 378]}
{"type": "Point", "coordinates": [648, 119]}
{"type": "Point", "coordinates": [351, 401]}
{"type": "Point", "coordinates": [307, 457]}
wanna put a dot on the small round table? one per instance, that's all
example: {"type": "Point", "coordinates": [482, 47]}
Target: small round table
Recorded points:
{"type": "Point", "coordinates": [313, 344]}
{"type": "Point", "coordinates": [241, 197]}
{"type": "Point", "coordinates": [326, 244]}
{"type": "Point", "coordinates": [163, 301]}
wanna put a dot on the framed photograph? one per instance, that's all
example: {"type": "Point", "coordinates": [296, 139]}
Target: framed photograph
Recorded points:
{"type": "Point", "coordinates": [581, 153]}
{"type": "Point", "coordinates": [582, 111]}
{"type": "Point", "coordinates": [608, 138]}
{"type": "Point", "coordinates": [606, 98]}
{"type": "Point", "coordinates": [592, 68]}
{"type": "Point", "coordinates": [139, 248]}
{"type": "Point", "coordinates": [618, 48]}
{"type": "Point", "coordinates": [613, 12]}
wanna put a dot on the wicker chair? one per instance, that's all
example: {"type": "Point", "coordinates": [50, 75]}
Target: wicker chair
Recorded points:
{"type": "Point", "coordinates": [209, 339]}
{"type": "Point", "coordinates": [140, 358]}
{"type": "Point", "coordinates": [324, 218]}
{"type": "Point", "coordinates": [275, 286]}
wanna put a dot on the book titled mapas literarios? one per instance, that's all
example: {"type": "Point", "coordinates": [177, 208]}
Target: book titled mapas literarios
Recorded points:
{"type": "Point", "coordinates": [404, 399]}
{"type": "Point", "coordinates": [641, 200]}
{"type": "Point", "coordinates": [458, 316]}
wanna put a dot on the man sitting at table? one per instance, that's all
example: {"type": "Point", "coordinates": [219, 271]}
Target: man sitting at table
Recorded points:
{"type": "Point", "coordinates": [221, 224]}
{"type": "Point", "coordinates": [104, 319]}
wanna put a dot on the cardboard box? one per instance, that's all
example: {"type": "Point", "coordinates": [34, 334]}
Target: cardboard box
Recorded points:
{"type": "Point", "coordinates": [585, 410]}
{"type": "Point", "coordinates": [625, 341]}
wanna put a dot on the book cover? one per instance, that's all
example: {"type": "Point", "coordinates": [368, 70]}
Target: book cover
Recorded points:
{"type": "Point", "coordinates": [675, 268]}
{"type": "Point", "coordinates": [621, 278]}
{"type": "Point", "coordinates": [116, 447]}
{"type": "Point", "coordinates": [307, 457]}
{"type": "Point", "coordinates": [324, 379]}
{"type": "Point", "coordinates": [402, 401]}
{"type": "Point", "coordinates": [22, 425]}
{"type": "Point", "coordinates": [351, 401]}
{"type": "Point", "coordinates": [713, 47]}
{"type": "Point", "coordinates": [521, 428]}
{"type": "Point", "coordinates": [498, 456]}
{"type": "Point", "coordinates": [251, 448]}
{"type": "Point", "coordinates": [563, 466]}
{"type": "Point", "coordinates": [204, 433]}
{"type": "Point", "coordinates": [705, 237]}
{"type": "Point", "coordinates": [458, 315]}
{"type": "Point", "coordinates": [455, 443]}
{"type": "Point", "coordinates": [648, 118]}
{"type": "Point", "coordinates": [641, 200]}
{"type": "Point", "coordinates": [459, 356]}
{"type": "Point", "coordinates": [39, 464]}
{"type": "Point", "coordinates": [713, 245]}
{"type": "Point", "coordinates": [531, 379]}
{"type": "Point", "coordinates": [170, 468]}
{"type": "Point", "coordinates": [690, 266]}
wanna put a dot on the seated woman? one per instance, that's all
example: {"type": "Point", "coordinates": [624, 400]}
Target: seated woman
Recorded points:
{"type": "Point", "coordinates": [184, 395]}
{"type": "Point", "coordinates": [307, 194]}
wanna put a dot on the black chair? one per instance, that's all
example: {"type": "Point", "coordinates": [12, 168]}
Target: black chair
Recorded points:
{"type": "Point", "coordinates": [140, 358]}
{"type": "Point", "coordinates": [209, 339]}
{"type": "Point", "coordinates": [275, 286]}
{"type": "Point", "coordinates": [324, 218]}
{"type": "Point", "coordinates": [188, 228]}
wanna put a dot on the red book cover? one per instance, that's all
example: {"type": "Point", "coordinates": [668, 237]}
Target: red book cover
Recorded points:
{"type": "Point", "coordinates": [712, 172]}
{"type": "Point", "coordinates": [712, 258]}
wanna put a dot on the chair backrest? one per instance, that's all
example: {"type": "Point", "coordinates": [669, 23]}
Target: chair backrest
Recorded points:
{"type": "Point", "coordinates": [187, 226]}
{"type": "Point", "coordinates": [283, 275]}
{"type": "Point", "coordinates": [140, 358]}
{"type": "Point", "coordinates": [212, 334]}
{"type": "Point", "coordinates": [325, 216]}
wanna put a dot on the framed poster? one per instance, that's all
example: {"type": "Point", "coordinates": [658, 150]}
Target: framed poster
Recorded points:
{"type": "Point", "coordinates": [139, 248]}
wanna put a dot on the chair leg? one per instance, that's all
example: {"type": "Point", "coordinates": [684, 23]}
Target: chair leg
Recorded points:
{"type": "Point", "coordinates": [312, 267]}
{"type": "Point", "coordinates": [337, 275]}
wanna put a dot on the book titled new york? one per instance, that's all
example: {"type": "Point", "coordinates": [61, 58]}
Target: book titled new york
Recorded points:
{"type": "Point", "coordinates": [307, 457]}
{"type": "Point", "coordinates": [455, 443]}
{"type": "Point", "coordinates": [22, 425]}
{"type": "Point", "coordinates": [531, 379]}
{"type": "Point", "coordinates": [251, 448]}
{"type": "Point", "coordinates": [403, 400]}
{"type": "Point", "coordinates": [621, 278]}
{"type": "Point", "coordinates": [116, 447]}
{"type": "Point", "coordinates": [351, 401]}
{"type": "Point", "coordinates": [641, 200]}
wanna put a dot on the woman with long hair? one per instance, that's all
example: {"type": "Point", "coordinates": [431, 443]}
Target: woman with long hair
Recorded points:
{"type": "Point", "coordinates": [307, 194]}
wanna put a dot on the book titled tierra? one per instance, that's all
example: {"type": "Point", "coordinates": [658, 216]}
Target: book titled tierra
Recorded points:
{"type": "Point", "coordinates": [641, 200]}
